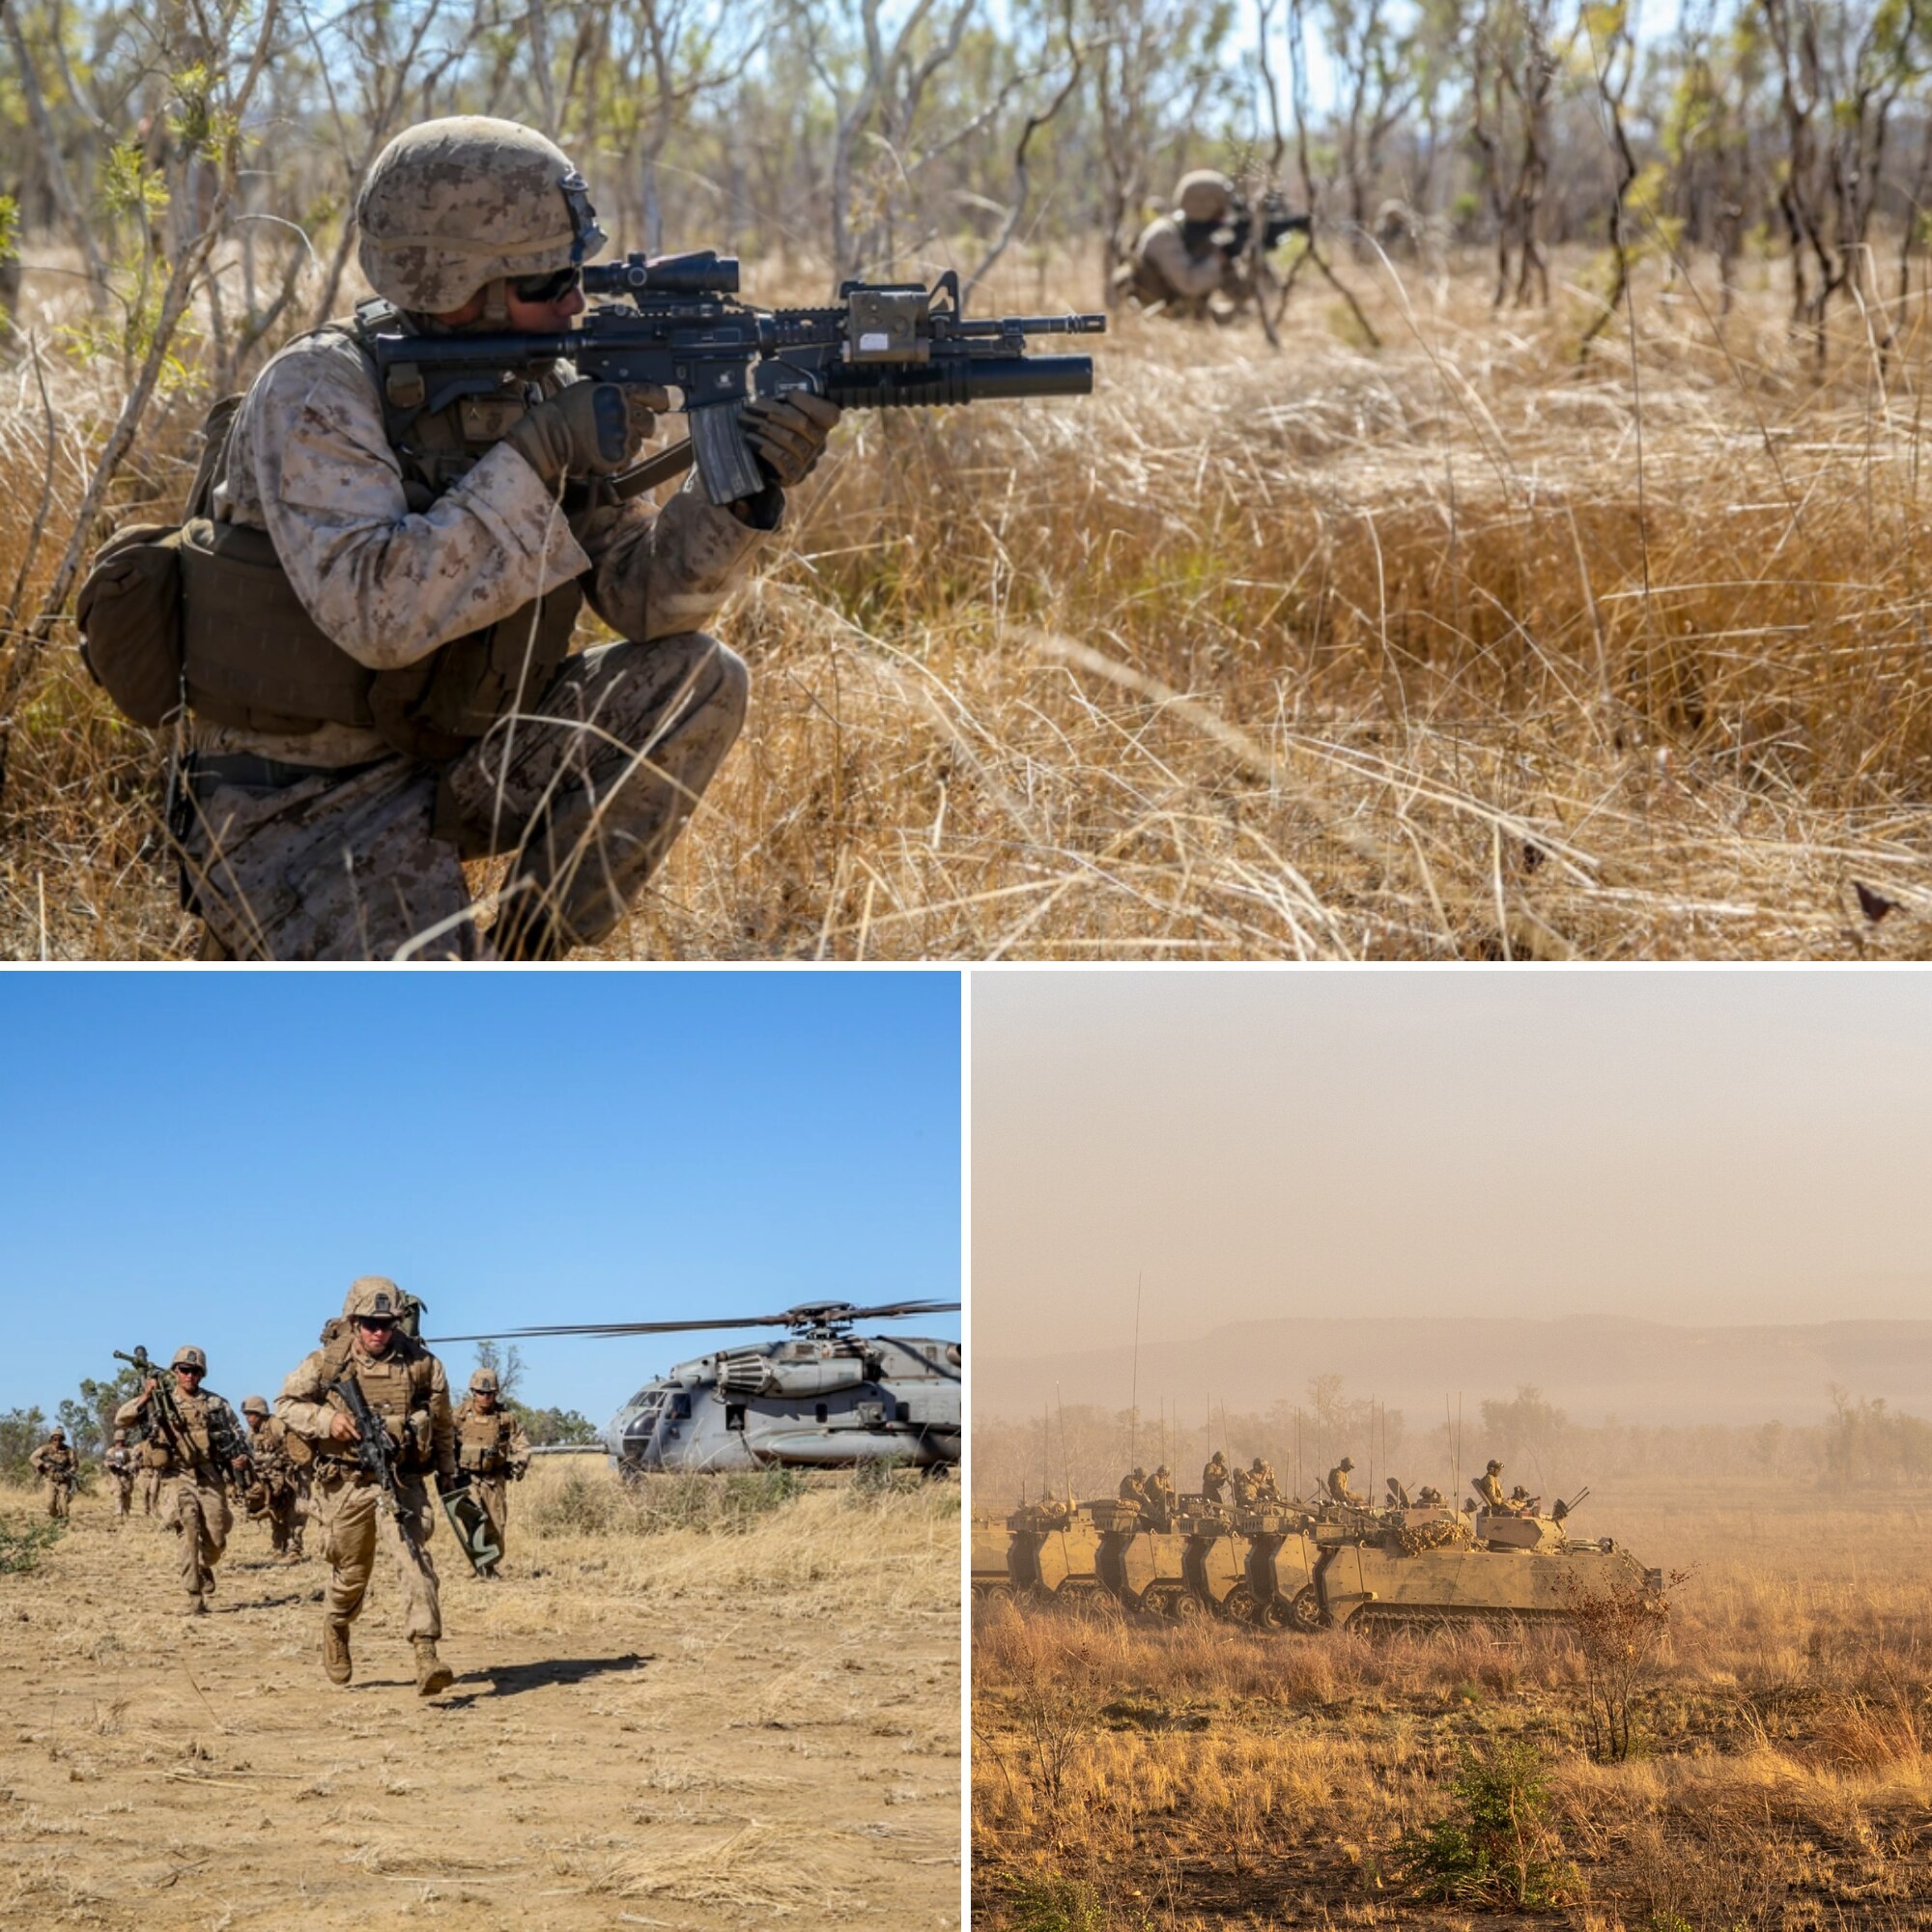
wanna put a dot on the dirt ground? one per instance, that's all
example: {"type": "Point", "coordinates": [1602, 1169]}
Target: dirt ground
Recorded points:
{"type": "Point", "coordinates": [677, 1730]}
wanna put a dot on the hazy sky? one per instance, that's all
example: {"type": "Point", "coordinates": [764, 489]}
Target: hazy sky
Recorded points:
{"type": "Point", "coordinates": [214, 1156]}
{"type": "Point", "coordinates": [1687, 1145]}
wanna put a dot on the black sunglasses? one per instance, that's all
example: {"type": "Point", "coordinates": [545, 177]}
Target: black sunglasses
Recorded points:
{"type": "Point", "coordinates": [551, 288]}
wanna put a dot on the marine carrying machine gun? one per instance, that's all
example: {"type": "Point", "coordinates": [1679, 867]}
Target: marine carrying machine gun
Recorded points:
{"type": "Point", "coordinates": [1278, 222]}
{"type": "Point", "coordinates": [171, 1427]}
{"type": "Point", "coordinates": [674, 321]}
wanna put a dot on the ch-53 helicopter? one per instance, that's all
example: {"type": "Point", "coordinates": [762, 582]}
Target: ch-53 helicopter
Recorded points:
{"type": "Point", "coordinates": [823, 1398]}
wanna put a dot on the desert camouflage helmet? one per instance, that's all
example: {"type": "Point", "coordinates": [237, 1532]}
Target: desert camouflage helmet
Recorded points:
{"type": "Point", "coordinates": [188, 1356]}
{"type": "Point", "coordinates": [120, 1436]}
{"type": "Point", "coordinates": [451, 204]}
{"type": "Point", "coordinates": [1347, 1462]}
{"type": "Point", "coordinates": [1495, 1468]}
{"type": "Point", "coordinates": [56, 1434]}
{"type": "Point", "coordinates": [254, 1404]}
{"type": "Point", "coordinates": [1256, 1466]}
{"type": "Point", "coordinates": [1204, 195]}
{"type": "Point", "coordinates": [373, 1294]}
{"type": "Point", "coordinates": [483, 1382]}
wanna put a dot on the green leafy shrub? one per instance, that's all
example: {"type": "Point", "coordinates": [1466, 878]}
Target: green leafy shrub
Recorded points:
{"type": "Point", "coordinates": [1495, 1848]}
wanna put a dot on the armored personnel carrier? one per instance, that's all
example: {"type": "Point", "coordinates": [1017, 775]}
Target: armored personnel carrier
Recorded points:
{"type": "Point", "coordinates": [1278, 1568]}
{"type": "Point", "coordinates": [991, 1583]}
{"type": "Point", "coordinates": [1213, 1560]}
{"type": "Point", "coordinates": [1407, 1568]}
{"type": "Point", "coordinates": [1052, 1550]}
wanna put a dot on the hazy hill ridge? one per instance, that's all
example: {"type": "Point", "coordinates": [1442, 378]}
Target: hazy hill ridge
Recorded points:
{"type": "Point", "coordinates": [1593, 1366]}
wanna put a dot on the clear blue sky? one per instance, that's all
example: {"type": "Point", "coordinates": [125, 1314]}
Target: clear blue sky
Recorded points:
{"type": "Point", "coordinates": [212, 1157]}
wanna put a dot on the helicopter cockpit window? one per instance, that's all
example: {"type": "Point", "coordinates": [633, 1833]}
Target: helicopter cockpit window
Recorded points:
{"type": "Point", "coordinates": [735, 1415]}
{"type": "Point", "coordinates": [680, 1406]}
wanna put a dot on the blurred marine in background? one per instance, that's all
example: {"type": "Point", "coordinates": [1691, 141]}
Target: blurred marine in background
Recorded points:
{"type": "Point", "coordinates": [1188, 263]}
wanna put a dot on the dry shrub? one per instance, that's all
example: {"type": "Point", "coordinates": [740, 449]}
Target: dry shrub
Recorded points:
{"type": "Point", "coordinates": [1253, 656]}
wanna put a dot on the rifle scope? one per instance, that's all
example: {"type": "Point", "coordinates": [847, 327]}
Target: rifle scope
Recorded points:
{"type": "Point", "coordinates": [704, 274]}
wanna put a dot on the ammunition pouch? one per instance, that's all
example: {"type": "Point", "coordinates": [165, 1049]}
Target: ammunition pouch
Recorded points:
{"type": "Point", "coordinates": [256, 660]}
{"type": "Point", "coordinates": [155, 1454]}
{"type": "Point", "coordinates": [129, 612]}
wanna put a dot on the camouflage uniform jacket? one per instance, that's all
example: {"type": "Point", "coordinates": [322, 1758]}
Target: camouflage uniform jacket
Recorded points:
{"type": "Point", "coordinates": [308, 461]}
{"type": "Point", "coordinates": [493, 1444]}
{"type": "Point", "coordinates": [274, 1472]}
{"type": "Point", "coordinates": [54, 1460]}
{"type": "Point", "coordinates": [1161, 256]}
{"type": "Point", "coordinates": [120, 1463]}
{"type": "Point", "coordinates": [304, 1407]}
{"type": "Point", "coordinates": [1489, 1492]}
{"type": "Point", "coordinates": [217, 1435]}
{"type": "Point", "coordinates": [1338, 1487]}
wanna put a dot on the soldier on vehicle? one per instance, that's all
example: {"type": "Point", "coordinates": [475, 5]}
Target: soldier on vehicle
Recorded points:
{"type": "Point", "coordinates": [1214, 1477]}
{"type": "Point", "coordinates": [1134, 1487]}
{"type": "Point", "coordinates": [1429, 1496]}
{"type": "Point", "coordinates": [1262, 1482]}
{"type": "Point", "coordinates": [1160, 1495]}
{"type": "Point", "coordinates": [277, 1493]}
{"type": "Point", "coordinates": [406, 1388]}
{"type": "Point", "coordinates": [1188, 263]}
{"type": "Point", "coordinates": [1338, 1484]}
{"type": "Point", "coordinates": [121, 1466]}
{"type": "Point", "coordinates": [194, 1469]}
{"type": "Point", "coordinates": [1490, 1489]}
{"type": "Point", "coordinates": [491, 1450]}
{"type": "Point", "coordinates": [1521, 1502]}
{"type": "Point", "coordinates": [376, 622]}
{"type": "Point", "coordinates": [58, 1469]}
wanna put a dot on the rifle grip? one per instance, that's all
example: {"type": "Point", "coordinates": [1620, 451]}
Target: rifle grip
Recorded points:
{"type": "Point", "coordinates": [729, 468]}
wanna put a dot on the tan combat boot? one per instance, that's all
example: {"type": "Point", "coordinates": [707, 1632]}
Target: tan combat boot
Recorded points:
{"type": "Point", "coordinates": [335, 1659]}
{"type": "Point", "coordinates": [431, 1673]}
{"type": "Point", "coordinates": [195, 1607]}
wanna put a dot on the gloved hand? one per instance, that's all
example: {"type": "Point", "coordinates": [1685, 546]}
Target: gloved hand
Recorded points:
{"type": "Point", "coordinates": [588, 429]}
{"type": "Point", "coordinates": [789, 433]}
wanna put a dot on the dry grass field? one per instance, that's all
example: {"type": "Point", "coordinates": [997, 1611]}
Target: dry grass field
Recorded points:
{"type": "Point", "coordinates": [1454, 649]}
{"type": "Point", "coordinates": [690, 1728]}
{"type": "Point", "coordinates": [1127, 1776]}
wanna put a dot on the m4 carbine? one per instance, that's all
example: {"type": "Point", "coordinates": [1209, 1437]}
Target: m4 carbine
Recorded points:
{"type": "Point", "coordinates": [376, 1455]}
{"type": "Point", "coordinates": [675, 322]}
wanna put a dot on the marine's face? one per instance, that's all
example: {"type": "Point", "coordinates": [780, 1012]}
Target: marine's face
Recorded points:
{"type": "Point", "coordinates": [256, 1423]}
{"type": "Point", "coordinates": [485, 1400]}
{"type": "Point", "coordinates": [373, 1334]}
{"type": "Point", "coordinates": [187, 1379]}
{"type": "Point", "coordinates": [527, 317]}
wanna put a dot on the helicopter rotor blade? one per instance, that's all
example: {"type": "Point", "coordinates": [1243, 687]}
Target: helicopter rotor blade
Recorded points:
{"type": "Point", "coordinates": [885, 1311]}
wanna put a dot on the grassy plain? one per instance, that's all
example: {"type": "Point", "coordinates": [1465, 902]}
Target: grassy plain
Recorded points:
{"type": "Point", "coordinates": [1134, 1776]}
{"type": "Point", "coordinates": [749, 1720]}
{"type": "Point", "coordinates": [1454, 649]}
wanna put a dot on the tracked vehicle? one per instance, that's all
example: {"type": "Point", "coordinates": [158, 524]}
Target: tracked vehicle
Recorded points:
{"type": "Point", "coordinates": [1052, 1550]}
{"type": "Point", "coordinates": [1279, 1555]}
{"type": "Point", "coordinates": [1425, 1569]}
{"type": "Point", "coordinates": [991, 1580]}
{"type": "Point", "coordinates": [1213, 1559]}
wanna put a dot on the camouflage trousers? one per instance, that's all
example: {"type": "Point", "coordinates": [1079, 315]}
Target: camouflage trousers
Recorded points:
{"type": "Point", "coordinates": [150, 1492]}
{"type": "Point", "coordinates": [124, 1493]}
{"type": "Point", "coordinates": [494, 1493]}
{"type": "Point", "coordinates": [198, 1512]}
{"type": "Point", "coordinates": [353, 1524]}
{"type": "Point", "coordinates": [56, 1496]}
{"type": "Point", "coordinates": [589, 790]}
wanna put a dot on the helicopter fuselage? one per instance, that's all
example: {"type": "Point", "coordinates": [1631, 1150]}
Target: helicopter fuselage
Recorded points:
{"type": "Point", "coordinates": [824, 1399]}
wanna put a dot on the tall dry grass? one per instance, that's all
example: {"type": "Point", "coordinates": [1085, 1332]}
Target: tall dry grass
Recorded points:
{"type": "Point", "coordinates": [1454, 649]}
{"type": "Point", "coordinates": [1194, 1777]}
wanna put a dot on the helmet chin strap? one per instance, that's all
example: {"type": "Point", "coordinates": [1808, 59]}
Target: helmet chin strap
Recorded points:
{"type": "Point", "coordinates": [496, 303]}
